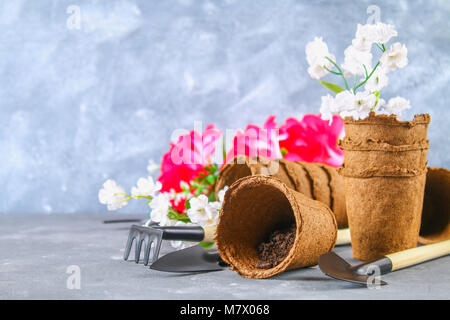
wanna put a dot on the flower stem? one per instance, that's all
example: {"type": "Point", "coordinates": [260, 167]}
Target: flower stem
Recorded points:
{"type": "Point", "coordinates": [128, 197]}
{"type": "Point", "coordinates": [340, 72]}
{"type": "Point", "coordinates": [331, 71]}
{"type": "Point", "coordinates": [355, 81]}
{"type": "Point", "coordinates": [367, 77]}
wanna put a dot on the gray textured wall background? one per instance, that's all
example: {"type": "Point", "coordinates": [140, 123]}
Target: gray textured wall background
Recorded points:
{"type": "Point", "coordinates": [79, 106]}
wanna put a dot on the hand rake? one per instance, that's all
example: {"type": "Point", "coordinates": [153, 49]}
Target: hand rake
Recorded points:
{"type": "Point", "coordinates": [151, 237]}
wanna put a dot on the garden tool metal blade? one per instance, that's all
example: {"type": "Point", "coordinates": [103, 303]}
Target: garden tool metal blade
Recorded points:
{"type": "Point", "coordinates": [193, 259]}
{"type": "Point", "coordinates": [336, 267]}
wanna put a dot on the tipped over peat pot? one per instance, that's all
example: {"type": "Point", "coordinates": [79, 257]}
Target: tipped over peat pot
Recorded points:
{"type": "Point", "coordinates": [384, 171]}
{"type": "Point", "coordinates": [253, 207]}
{"type": "Point", "coordinates": [314, 180]}
{"type": "Point", "coordinates": [435, 224]}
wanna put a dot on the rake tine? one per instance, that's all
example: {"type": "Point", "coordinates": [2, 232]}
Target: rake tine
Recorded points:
{"type": "Point", "coordinates": [131, 236]}
{"type": "Point", "coordinates": [137, 253]}
{"type": "Point", "coordinates": [147, 248]}
{"type": "Point", "coordinates": [156, 241]}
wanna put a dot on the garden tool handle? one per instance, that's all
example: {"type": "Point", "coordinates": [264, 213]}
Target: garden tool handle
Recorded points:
{"type": "Point", "coordinates": [208, 233]}
{"type": "Point", "coordinates": [343, 237]}
{"type": "Point", "coordinates": [417, 255]}
{"type": "Point", "coordinates": [188, 233]}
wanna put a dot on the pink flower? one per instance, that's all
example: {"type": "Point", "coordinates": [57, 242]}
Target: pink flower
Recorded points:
{"type": "Point", "coordinates": [187, 158]}
{"type": "Point", "coordinates": [256, 141]}
{"type": "Point", "coordinates": [312, 140]}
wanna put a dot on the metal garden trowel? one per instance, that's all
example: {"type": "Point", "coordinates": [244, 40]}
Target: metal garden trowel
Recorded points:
{"type": "Point", "coordinates": [193, 259]}
{"type": "Point", "coordinates": [334, 266]}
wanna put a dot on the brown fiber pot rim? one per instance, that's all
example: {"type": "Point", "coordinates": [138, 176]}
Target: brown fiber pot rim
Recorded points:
{"type": "Point", "coordinates": [241, 266]}
{"type": "Point", "coordinates": [278, 185]}
{"type": "Point", "coordinates": [381, 119]}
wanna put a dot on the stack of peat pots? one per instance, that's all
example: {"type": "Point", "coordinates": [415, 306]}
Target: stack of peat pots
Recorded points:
{"type": "Point", "coordinates": [384, 171]}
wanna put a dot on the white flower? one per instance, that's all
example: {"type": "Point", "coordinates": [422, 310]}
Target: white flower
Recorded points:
{"type": "Point", "coordinates": [146, 188]}
{"type": "Point", "coordinates": [316, 51]}
{"type": "Point", "coordinates": [344, 101]}
{"type": "Point", "coordinates": [346, 104]}
{"type": "Point", "coordinates": [327, 107]}
{"type": "Point", "coordinates": [382, 33]}
{"type": "Point", "coordinates": [160, 208]}
{"type": "Point", "coordinates": [184, 185]}
{"type": "Point", "coordinates": [364, 103]}
{"type": "Point", "coordinates": [203, 212]}
{"type": "Point", "coordinates": [152, 167]}
{"type": "Point", "coordinates": [221, 194]}
{"type": "Point", "coordinates": [355, 60]}
{"type": "Point", "coordinates": [363, 37]}
{"type": "Point", "coordinates": [377, 81]}
{"type": "Point", "coordinates": [368, 34]}
{"type": "Point", "coordinates": [396, 106]}
{"type": "Point", "coordinates": [395, 57]}
{"type": "Point", "coordinates": [112, 195]}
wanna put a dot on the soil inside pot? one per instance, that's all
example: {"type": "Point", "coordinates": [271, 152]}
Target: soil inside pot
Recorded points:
{"type": "Point", "coordinates": [276, 248]}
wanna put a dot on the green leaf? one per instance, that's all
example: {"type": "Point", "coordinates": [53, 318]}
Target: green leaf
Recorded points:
{"type": "Point", "coordinates": [212, 196]}
{"type": "Point", "coordinates": [178, 217]}
{"type": "Point", "coordinates": [211, 168]}
{"type": "Point", "coordinates": [284, 152]}
{"type": "Point", "coordinates": [211, 179]}
{"type": "Point", "coordinates": [331, 86]}
{"type": "Point", "coordinates": [377, 94]}
{"type": "Point", "coordinates": [187, 204]}
{"type": "Point", "coordinates": [206, 245]}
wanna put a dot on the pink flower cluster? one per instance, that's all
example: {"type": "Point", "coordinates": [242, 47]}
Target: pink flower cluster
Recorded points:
{"type": "Point", "coordinates": [178, 165]}
{"type": "Point", "coordinates": [310, 139]}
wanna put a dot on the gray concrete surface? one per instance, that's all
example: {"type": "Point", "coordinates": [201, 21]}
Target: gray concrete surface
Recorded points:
{"type": "Point", "coordinates": [35, 252]}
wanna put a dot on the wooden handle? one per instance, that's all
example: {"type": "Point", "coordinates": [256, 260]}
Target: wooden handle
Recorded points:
{"type": "Point", "coordinates": [210, 233]}
{"type": "Point", "coordinates": [417, 255]}
{"type": "Point", "coordinates": [343, 237]}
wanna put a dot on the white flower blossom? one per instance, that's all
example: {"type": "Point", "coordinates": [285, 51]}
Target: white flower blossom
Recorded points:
{"type": "Point", "coordinates": [368, 34]}
{"type": "Point", "coordinates": [363, 37]}
{"type": "Point", "coordinates": [184, 185]}
{"type": "Point", "coordinates": [382, 33]}
{"type": "Point", "coordinates": [146, 188]}
{"type": "Point", "coordinates": [221, 194]}
{"type": "Point", "coordinates": [396, 106]}
{"type": "Point", "coordinates": [355, 60]}
{"type": "Point", "coordinates": [327, 107]}
{"type": "Point", "coordinates": [316, 51]}
{"type": "Point", "coordinates": [343, 101]}
{"type": "Point", "coordinates": [160, 209]}
{"type": "Point", "coordinates": [346, 104]}
{"type": "Point", "coordinates": [112, 195]}
{"type": "Point", "coordinates": [203, 212]}
{"type": "Point", "coordinates": [152, 166]}
{"type": "Point", "coordinates": [395, 57]}
{"type": "Point", "coordinates": [363, 104]}
{"type": "Point", "coordinates": [377, 81]}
